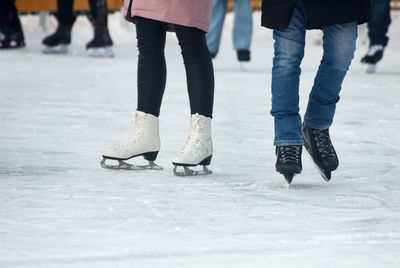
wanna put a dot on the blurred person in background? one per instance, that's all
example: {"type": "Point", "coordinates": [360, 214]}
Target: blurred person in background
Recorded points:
{"type": "Point", "coordinates": [289, 20]}
{"type": "Point", "coordinates": [378, 27]}
{"type": "Point", "coordinates": [11, 34]}
{"type": "Point", "coordinates": [99, 46]}
{"type": "Point", "coordinates": [242, 28]}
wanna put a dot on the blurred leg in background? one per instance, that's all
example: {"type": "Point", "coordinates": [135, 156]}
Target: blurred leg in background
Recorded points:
{"type": "Point", "coordinates": [59, 41]}
{"type": "Point", "coordinates": [101, 43]}
{"type": "Point", "coordinates": [242, 28]}
{"type": "Point", "coordinates": [11, 34]}
{"type": "Point", "coordinates": [378, 27]}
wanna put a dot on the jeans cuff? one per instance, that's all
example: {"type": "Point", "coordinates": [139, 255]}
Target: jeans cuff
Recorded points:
{"type": "Point", "coordinates": [288, 142]}
{"type": "Point", "coordinates": [316, 126]}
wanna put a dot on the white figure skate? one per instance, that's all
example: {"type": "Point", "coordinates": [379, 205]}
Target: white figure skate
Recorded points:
{"type": "Point", "coordinates": [198, 149]}
{"type": "Point", "coordinates": [144, 142]}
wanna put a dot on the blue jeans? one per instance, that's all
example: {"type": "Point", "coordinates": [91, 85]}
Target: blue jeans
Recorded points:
{"type": "Point", "coordinates": [379, 24]}
{"type": "Point", "coordinates": [339, 43]}
{"type": "Point", "coordinates": [242, 28]}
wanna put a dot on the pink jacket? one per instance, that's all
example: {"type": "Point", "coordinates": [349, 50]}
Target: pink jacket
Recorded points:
{"type": "Point", "coordinates": [192, 13]}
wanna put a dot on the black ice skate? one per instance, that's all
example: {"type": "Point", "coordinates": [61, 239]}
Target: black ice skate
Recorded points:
{"type": "Point", "coordinates": [12, 36]}
{"type": "Point", "coordinates": [243, 55]}
{"type": "Point", "coordinates": [318, 144]}
{"type": "Point", "coordinates": [373, 56]}
{"type": "Point", "coordinates": [101, 44]}
{"type": "Point", "coordinates": [58, 42]}
{"type": "Point", "coordinates": [288, 161]}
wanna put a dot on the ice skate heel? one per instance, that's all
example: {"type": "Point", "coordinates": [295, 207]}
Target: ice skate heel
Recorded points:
{"type": "Point", "coordinates": [320, 148]}
{"type": "Point", "coordinates": [151, 156]}
{"type": "Point", "coordinates": [144, 142]}
{"type": "Point", "coordinates": [197, 150]}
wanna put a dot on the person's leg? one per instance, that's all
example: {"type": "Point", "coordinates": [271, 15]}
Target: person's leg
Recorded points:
{"type": "Point", "coordinates": [289, 52]}
{"type": "Point", "coordinates": [216, 25]}
{"type": "Point", "coordinates": [6, 9]}
{"type": "Point", "coordinates": [199, 69]}
{"type": "Point", "coordinates": [198, 148]}
{"type": "Point", "coordinates": [11, 34]}
{"type": "Point", "coordinates": [243, 25]}
{"type": "Point", "coordinates": [152, 71]}
{"type": "Point", "coordinates": [58, 41]}
{"type": "Point", "coordinates": [151, 76]}
{"type": "Point", "coordinates": [379, 24]}
{"type": "Point", "coordinates": [65, 12]}
{"type": "Point", "coordinates": [339, 43]}
{"type": "Point", "coordinates": [102, 38]}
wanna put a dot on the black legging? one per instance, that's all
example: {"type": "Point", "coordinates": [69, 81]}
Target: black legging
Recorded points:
{"type": "Point", "coordinates": [152, 71]}
{"type": "Point", "coordinates": [65, 12]}
{"type": "Point", "coordinates": [8, 14]}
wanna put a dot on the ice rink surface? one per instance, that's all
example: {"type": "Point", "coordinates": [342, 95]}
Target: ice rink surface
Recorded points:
{"type": "Point", "coordinates": [59, 208]}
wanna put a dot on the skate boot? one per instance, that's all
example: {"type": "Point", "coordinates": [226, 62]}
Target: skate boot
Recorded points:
{"type": "Point", "coordinates": [373, 56]}
{"type": "Point", "coordinates": [101, 44]}
{"type": "Point", "coordinates": [243, 57]}
{"type": "Point", "coordinates": [12, 36]}
{"type": "Point", "coordinates": [58, 42]}
{"type": "Point", "coordinates": [198, 148]}
{"type": "Point", "coordinates": [144, 142]}
{"type": "Point", "coordinates": [213, 55]}
{"type": "Point", "coordinates": [288, 161]}
{"type": "Point", "coordinates": [318, 144]}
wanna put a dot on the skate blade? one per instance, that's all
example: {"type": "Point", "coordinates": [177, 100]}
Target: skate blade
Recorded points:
{"type": "Point", "coordinates": [189, 172]}
{"type": "Point", "coordinates": [105, 52]}
{"type": "Point", "coordinates": [370, 68]}
{"type": "Point", "coordinates": [289, 178]}
{"type": "Point", "coordinates": [61, 49]}
{"type": "Point", "coordinates": [244, 66]}
{"type": "Point", "coordinates": [326, 175]}
{"type": "Point", "coordinates": [126, 166]}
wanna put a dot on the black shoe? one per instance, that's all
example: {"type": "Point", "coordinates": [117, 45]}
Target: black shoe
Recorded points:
{"type": "Point", "coordinates": [12, 36]}
{"type": "Point", "coordinates": [288, 161]}
{"type": "Point", "coordinates": [374, 55]}
{"type": "Point", "coordinates": [243, 55]}
{"type": "Point", "coordinates": [62, 36]}
{"type": "Point", "coordinates": [213, 54]}
{"type": "Point", "coordinates": [102, 36]}
{"type": "Point", "coordinates": [319, 145]}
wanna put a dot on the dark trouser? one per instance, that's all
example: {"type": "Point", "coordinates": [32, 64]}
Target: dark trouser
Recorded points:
{"type": "Point", "coordinates": [379, 24]}
{"type": "Point", "coordinates": [8, 14]}
{"type": "Point", "coordinates": [65, 13]}
{"type": "Point", "coordinates": [152, 71]}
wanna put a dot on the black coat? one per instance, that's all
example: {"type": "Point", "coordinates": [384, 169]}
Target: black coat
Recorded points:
{"type": "Point", "coordinates": [277, 13]}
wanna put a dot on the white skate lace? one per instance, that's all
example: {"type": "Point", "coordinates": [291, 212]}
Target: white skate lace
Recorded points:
{"type": "Point", "coordinates": [194, 142]}
{"type": "Point", "coordinates": [139, 122]}
{"type": "Point", "coordinates": [373, 49]}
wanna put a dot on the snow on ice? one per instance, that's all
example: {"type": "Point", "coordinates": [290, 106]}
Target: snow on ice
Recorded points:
{"type": "Point", "coordinates": [59, 208]}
